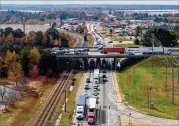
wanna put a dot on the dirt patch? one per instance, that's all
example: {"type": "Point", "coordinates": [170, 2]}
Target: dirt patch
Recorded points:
{"type": "Point", "coordinates": [25, 108]}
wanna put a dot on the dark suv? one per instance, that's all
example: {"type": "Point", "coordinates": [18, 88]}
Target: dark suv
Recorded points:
{"type": "Point", "coordinates": [87, 80]}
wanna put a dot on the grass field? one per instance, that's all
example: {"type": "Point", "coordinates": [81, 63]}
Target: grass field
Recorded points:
{"type": "Point", "coordinates": [67, 116]}
{"type": "Point", "coordinates": [135, 80]}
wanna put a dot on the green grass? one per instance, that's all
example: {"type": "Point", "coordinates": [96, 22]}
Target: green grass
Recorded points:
{"type": "Point", "coordinates": [134, 81]}
{"type": "Point", "coordinates": [126, 45]}
{"type": "Point", "coordinates": [67, 116]}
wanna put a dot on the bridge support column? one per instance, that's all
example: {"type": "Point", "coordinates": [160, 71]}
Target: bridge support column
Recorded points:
{"type": "Point", "coordinates": [114, 65]}
{"type": "Point", "coordinates": [82, 62]}
{"type": "Point", "coordinates": [98, 62]}
{"type": "Point", "coordinates": [85, 61]}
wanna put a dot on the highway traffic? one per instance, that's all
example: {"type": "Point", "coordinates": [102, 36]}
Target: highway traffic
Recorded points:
{"type": "Point", "coordinates": [114, 51]}
{"type": "Point", "coordinates": [100, 48]}
{"type": "Point", "coordinates": [94, 105]}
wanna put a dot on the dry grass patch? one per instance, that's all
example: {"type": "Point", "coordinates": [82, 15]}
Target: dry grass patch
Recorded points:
{"type": "Point", "coordinates": [25, 108]}
{"type": "Point", "coordinates": [67, 116]}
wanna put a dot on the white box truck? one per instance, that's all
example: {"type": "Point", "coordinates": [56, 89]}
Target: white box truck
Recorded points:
{"type": "Point", "coordinates": [81, 107]}
{"type": "Point", "coordinates": [96, 76]}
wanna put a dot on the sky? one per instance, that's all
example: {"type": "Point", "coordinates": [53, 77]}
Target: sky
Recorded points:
{"type": "Point", "coordinates": [128, 2]}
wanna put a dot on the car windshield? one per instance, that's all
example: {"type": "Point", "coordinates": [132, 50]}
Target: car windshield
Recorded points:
{"type": "Point", "coordinates": [79, 112]}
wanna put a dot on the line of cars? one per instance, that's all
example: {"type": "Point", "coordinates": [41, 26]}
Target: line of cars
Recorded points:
{"type": "Point", "coordinates": [96, 78]}
{"type": "Point", "coordinates": [65, 51]}
{"type": "Point", "coordinates": [98, 42]}
{"type": "Point", "coordinates": [88, 110]}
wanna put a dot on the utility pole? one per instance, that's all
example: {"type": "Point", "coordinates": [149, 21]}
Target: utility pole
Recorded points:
{"type": "Point", "coordinates": [150, 95]}
{"type": "Point", "coordinates": [129, 118]}
{"type": "Point", "coordinates": [149, 92]}
{"type": "Point", "coordinates": [140, 31]}
{"type": "Point", "coordinates": [178, 87]}
{"type": "Point", "coordinates": [152, 50]}
{"type": "Point", "coordinates": [65, 101]}
{"type": "Point", "coordinates": [24, 24]}
{"type": "Point", "coordinates": [172, 83]}
{"type": "Point", "coordinates": [111, 30]}
{"type": "Point", "coordinates": [166, 72]}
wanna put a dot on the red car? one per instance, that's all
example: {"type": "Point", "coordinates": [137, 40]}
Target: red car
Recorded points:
{"type": "Point", "coordinates": [113, 49]}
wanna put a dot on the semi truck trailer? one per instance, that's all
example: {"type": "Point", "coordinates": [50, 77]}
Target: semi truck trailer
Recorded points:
{"type": "Point", "coordinates": [92, 111]}
{"type": "Point", "coordinates": [81, 107]}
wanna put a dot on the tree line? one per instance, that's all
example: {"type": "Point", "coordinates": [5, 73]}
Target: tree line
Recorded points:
{"type": "Point", "coordinates": [158, 36]}
{"type": "Point", "coordinates": [17, 16]}
{"type": "Point", "coordinates": [26, 54]}
{"type": "Point", "coordinates": [18, 61]}
{"type": "Point", "coordinates": [166, 17]}
{"type": "Point", "coordinates": [50, 38]}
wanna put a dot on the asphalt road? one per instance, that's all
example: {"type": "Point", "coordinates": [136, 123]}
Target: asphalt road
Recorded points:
{"type": "Point", "coordinates": [107, 108]}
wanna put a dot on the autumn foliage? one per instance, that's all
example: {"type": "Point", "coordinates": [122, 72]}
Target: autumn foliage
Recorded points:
{"type": "Point", "coordinates": [35, 71]}
{"type": "Point", "coordinates": [13, 65]}
{"type": "Point", "coordinates": [34, 60]}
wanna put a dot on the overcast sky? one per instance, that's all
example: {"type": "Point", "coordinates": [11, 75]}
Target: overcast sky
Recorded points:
{"type": "Point", "coordinates": [128, 2]}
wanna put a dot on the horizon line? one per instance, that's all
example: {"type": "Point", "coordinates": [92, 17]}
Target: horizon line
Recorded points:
{"type": "Point", "coordinates": [93, 4]}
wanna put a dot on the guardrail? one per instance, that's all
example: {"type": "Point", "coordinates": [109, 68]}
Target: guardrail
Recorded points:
{"type": "Point", "coordinates": [103, 56]}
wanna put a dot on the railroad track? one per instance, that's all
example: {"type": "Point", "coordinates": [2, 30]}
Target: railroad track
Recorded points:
{"type": "Point", "coordinates": [44, 115]}
{"type": "Point", "coordinates": [47, 110]}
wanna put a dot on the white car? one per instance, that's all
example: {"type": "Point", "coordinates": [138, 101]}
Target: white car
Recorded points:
{"type": "Point", "coordinates": [71, 53]}
{"type": "Point", "coordinates": [137, 53]}
{"type": "Point", "coordinates": [95, 92]}
{"type": "Point", "coordinates": [131, 53]}
{"type": "Point", "coordinates": [95, 96]}
{"type": "Point", "coordinates": [86, 86]}
{"type": "Point", "coordinates": [86, 94]}
{"type": "Point", "coordinates": [95, 87]}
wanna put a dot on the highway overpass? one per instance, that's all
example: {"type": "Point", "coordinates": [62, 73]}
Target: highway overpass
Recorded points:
{"type": "Point", "coordinates": [103, 56]}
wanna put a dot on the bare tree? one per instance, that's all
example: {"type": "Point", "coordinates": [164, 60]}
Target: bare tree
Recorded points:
{"type": "Point", "coordinates": [12, 98]}
{"type": "Point", "coordinates": [3, 92]}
